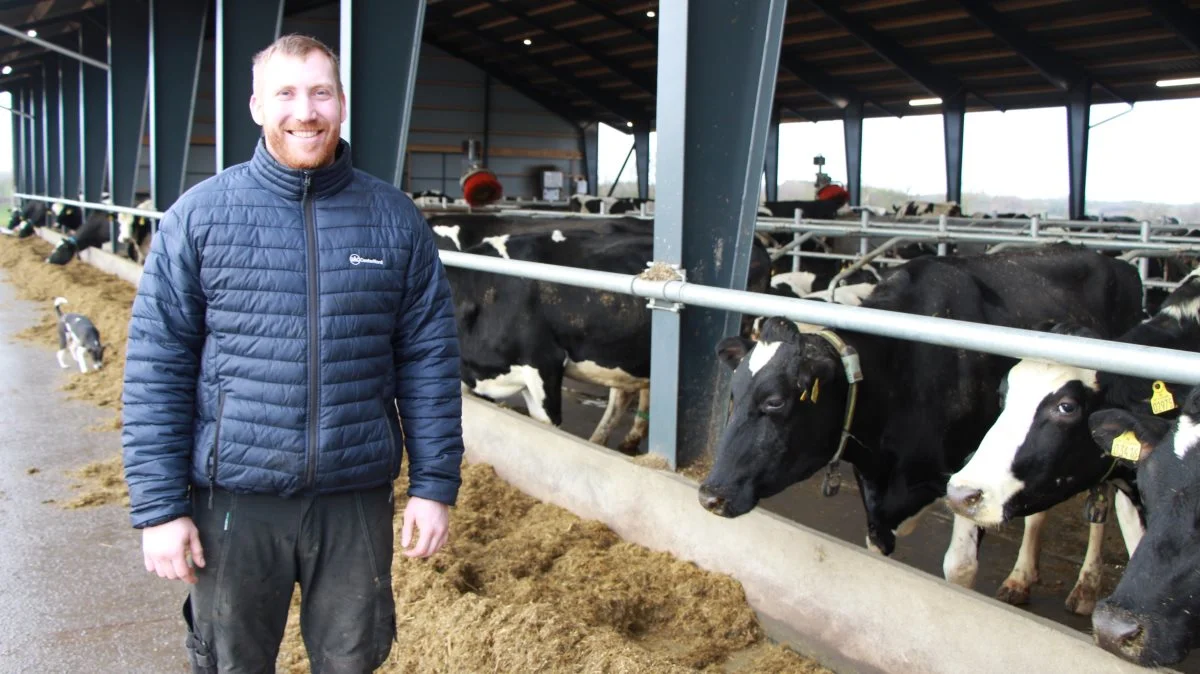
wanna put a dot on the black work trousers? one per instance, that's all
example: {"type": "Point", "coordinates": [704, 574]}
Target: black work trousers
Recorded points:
{"type": "Point", "coordinates": [337, 547]}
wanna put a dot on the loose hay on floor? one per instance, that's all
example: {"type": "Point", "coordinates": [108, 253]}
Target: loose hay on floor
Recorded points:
{"type": "Point", "coordinates": [522, 586]}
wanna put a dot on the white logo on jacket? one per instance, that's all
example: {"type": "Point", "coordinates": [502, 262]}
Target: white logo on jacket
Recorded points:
{"type": "Point", "coordinates": [356, 259]}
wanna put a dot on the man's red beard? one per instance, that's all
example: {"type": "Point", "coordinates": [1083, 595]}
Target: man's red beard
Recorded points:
{"type": "Point", "coordinates": [277, 143]}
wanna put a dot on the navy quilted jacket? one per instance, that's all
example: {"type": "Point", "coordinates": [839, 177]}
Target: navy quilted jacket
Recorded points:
{"type": "Point", "coordinates": [293, 331]}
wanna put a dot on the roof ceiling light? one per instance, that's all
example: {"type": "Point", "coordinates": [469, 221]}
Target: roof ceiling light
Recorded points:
{"type": "Point", "coordinates": [918, 102]}
{"type": "Point", "coordinates": [527, 42]}
{"type": "Point", "coordinates": [650, 14]}
{"type": "Point", "coordinates": [1186, 81]}
{"type": "Point", "coordinates": [31, 32]}
{"type": "Point", "coordinates": [7, 70]}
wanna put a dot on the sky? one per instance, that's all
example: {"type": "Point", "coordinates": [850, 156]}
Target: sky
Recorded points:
{"type": "Point", "coordinates": [1149, 153]}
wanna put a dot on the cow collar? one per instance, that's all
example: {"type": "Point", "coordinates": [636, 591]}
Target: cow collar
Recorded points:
{"type": "Point", "coordinates": [832, 481]}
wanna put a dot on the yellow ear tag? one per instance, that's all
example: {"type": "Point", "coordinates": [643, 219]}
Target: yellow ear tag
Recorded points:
{"type": "Point", "coordinates": [803, 396]}
{"type": "Point", "coordinates": [1126, 446]}
{"type": "Point", "coordinates": [1162, 400]}
{"type": "Point", "coordinates": [816, 389]}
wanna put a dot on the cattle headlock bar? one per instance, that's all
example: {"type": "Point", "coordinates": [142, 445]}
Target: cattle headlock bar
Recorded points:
{"type": "Point", "coordinates": [1097, 354]}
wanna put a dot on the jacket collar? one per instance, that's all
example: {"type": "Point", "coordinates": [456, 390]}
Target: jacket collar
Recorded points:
{"type": "Point", "coordinates": [289, 182]}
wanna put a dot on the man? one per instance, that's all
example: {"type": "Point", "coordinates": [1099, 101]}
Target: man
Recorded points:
{"type": "Point", "coordinates": [293, 331]}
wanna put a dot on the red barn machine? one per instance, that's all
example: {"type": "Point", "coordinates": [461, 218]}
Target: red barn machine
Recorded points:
{"type": "Point", "coordinates": [480, 186]}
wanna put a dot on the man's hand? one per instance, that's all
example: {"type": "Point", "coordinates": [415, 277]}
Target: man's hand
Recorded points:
{"type": "Point", "coordinates": [165, 548]}
{"type": "Point", "coordinates": [432, 520]}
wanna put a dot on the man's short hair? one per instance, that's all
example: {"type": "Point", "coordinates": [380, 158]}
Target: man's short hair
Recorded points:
{"type": "Point", "coordinates": [298, 46]}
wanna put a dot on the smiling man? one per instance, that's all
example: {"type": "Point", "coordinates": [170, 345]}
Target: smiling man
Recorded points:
{"type": "Point", "coordinates": [292, 335]}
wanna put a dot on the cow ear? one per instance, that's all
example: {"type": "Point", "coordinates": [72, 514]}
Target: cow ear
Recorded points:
{"type": "Point", "coordinates": [467, 313]}
{"type": "Point", "coordinates": [732, 350]}
{"type": "Point", "coordinates": [1126, 435]}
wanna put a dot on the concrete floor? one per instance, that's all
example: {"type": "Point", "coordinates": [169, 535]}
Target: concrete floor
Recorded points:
{"type": "Point", "coordinates": [74, 595]}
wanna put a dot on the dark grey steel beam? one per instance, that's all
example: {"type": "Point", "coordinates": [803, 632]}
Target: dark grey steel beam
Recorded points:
{"type": "Point", "coordinates": [128, 57]}
{"type": "Point", "coordinates": [771, 167]}
{"type": "Point", "coordinates": [176, 42]}
{"type": "Point", "coordinates": [589, 147]}
{"type": "Point", "coordinates": [382, 55]}
{"type": "Point", "coordinates": [621, 109]}
{"type": "Point", "coordinates": [38, 136]}
{"type": "Point", "coordinates": [936, 80]}
{"type": "Point", "coordinates": [50, 126]}
{"type": "Point", "coordinates": [18, 145]}
{"type": "Point", "coordinates": [1053, 66]}
{"type": "Point", "coordinates": [53, 45]}
{"type": "Point", "coordinates": [1179, 18]}
{"type": "Point", "coordinates": [93, 112]}
{"type": "Point", "coordinates": [243, 28]}
{"type": "Point", "coordinates": [69, 127]}
{"type": "Point", "coordinates": [954, 115]}
{"type": "Point", "coordinates": [1079, 111]}
{"type": "Point", "coordinates": [635, 77]}
{"type": "Point", "coordinates": [485, 145]}
{"type": "Point", "coordinates": [717, 63]}
{"type": "Point", "coordinates": [552, 104]}
{"type": "Point", "coordinates": [641, 144]}
{"type": "Point", "coordinates": [852, 130]}
{"type": "Point", "coordinates": [621, 19]}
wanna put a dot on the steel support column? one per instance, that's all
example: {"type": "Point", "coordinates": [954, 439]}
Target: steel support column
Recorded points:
{"type": "Point", "coordinates": [176, 41]}
{"type": "Point", "coordinates": [1079, 111]}
{"type": "Point", "coordinates": [50, 128]}
{"type": "Point", "coordinates": [716, 70]}
{"type": "Point", "coordinates": [18, 145]}
{"type": "Point", "coordinates": [243, 28]}
{"type": "Point", "coordinates": [93, 112]}
{"type": "Point", "coordinates": [487, 119]}
{"type": "Point", "coordinates": [771, 169]}
{"type": "Point", "coordinates": [128, 59]}
{"type": "Point", "coordinates": [69, 129]}
{"type": "Point", "coordinates": [589, 147]}
{"type": "Point", "coordinates": [954, 114]}
{"type": "Point", "coordinates": [383, 52]}
{"type": "Point", "coordinates": [641, 144]}
{"type": "Point", "coordinates": [38, 136]}
{"type": "Point", "coordinates": [852, 129]}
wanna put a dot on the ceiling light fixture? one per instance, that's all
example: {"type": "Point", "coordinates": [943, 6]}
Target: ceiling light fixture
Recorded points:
{"type": "Point", "coordinates": [528, 42]}
{"type": "Point", "coordinates": [7, 70]}
{"type": "Point", "coordinates": [650, 14]}
{"type": "Point", "coordinates": [917, 102]}
{"type": "Point", "coordinates": [1186, 81]}
{"type": "Point", "coordinates": [31, 32]}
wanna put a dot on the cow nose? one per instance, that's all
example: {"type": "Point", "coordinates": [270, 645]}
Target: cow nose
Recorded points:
{"type": "Point", "coordinates": [1117, 632]}
{"type": "Point", "coordinates": [711, 502]}
{"type": "Point", "coordinates": [963, 499]}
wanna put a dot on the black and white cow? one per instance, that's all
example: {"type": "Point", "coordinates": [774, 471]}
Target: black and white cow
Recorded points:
{"type": "Point", "coordinates": [1040, 453]}
{"type": "Point", "coordinates": [524, 336]}
{"type": "Point", "coordinates": [803, 283]}
{"type": "Point", "coordinates": [460, 231]}
{"type": "Point", "coordinates": [917, 208]}
{"type": "Point", "coordinates": [815, 209]}
{"type": "Point", "coordinates": [136, 232]}
{"type": "Point", "coordinates": [94, 232]}
{"type": "Point", "coordinates": [919, 409]}
{"type": "Point", "coordinates": [584, 203]}
{"type": "Point", "coordinates": [1152, 618]}
{"type": "Point", "coordinates": [23, 221]}
{"type": "Point", "coordinates": [66, 218]}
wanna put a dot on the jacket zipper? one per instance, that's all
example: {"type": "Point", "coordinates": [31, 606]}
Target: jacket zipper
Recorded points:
{"type": "Point", "coordinates": [216, 448]}
{"type": "Point", "coordinates": [314, 327]}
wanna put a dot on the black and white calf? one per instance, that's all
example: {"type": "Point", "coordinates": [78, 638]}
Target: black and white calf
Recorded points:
{"type": "Point", "coordinates": [1040, 453]}
{"type": "Point", "coordinates": [1152, 618]}
{"type": "Point", "coordinates": [917, 410]}
{"type": "Point", "coordinates": [79, 339]}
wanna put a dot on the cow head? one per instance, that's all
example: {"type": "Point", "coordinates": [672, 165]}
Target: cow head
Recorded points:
{"type": "Point", "coordinates": [1038, 453]}
{"type": "Point", "coordinates": [64, 252]}
{"type": "Point", "coordinates": [789, 396]}
{"type": "Point", "coordinates": [1152, 618]}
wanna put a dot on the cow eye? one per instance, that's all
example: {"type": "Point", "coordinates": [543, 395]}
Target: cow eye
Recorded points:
{"type": "Point", "coordinates": [1067, 407]}
{"type": "Point", "coordinates": [772, 404]}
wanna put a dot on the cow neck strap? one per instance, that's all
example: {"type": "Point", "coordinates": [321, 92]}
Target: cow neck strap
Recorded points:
{"type": "Point", "coordinates": [832, 481]}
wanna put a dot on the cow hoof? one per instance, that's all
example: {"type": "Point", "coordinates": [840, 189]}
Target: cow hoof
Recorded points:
{"type": "Point", "coordinates": [1013, 594]}
{"type": "Point", "coordinates": [962, 577]}
{"type": "Point", "coordinates": [1081, 601]}
{"type": "Point", "coordinates": [629, 447]}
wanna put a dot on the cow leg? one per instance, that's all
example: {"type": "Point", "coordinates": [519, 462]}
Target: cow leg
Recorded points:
{"type": "Point", "coordinates": [1131, 523]}
{"type": "Point", "coordinates": [543, 395]}
{"type": "Point", "coordinates": [1015, 589]}
{"type": "Point", "coordinates": [1083, 596]}
{"type": "Point", "coordinates": [641, 424]}
{"type": "Point", "coordinates": [961, 563]}
{"type": "Point", "coordinates": [618, 400]}
{"type": "Point", "coordinates": [879, 536]}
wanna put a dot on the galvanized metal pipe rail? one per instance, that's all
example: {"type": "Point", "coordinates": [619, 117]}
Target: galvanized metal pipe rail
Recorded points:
{"type": "Point", "coordinates": [1098, 354]}
{"type": "Point", "coordinates": [111, 208]}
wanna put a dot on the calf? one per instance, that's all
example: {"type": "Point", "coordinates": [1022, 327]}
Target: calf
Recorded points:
{"type": "Point", "coordinates": [1152, 618]}
{"type": "Point", "coordinates": [905, 414]}
{"type": "Point", "coordinates": [1039, 452]}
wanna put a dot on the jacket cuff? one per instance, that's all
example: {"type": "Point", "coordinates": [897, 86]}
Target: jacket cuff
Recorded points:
{"type": "Point", "coordinates": [445, 494]}
{"type": "Point", "coordinates": [160, 519]}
